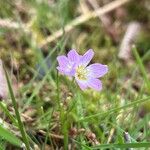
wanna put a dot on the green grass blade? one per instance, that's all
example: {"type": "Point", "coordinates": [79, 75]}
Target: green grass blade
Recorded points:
{"type": "Point", "coordinates": [1, 148]}
{"type": "Point", "coordinates": [6, 111]}
{"type": "Point", "coordinates": [116, 109]}
{"type": "Point", "coordinates": [82, 145]}
{"type": "Point", "coordinates": [20, 124]}
{"type": "Point", "coordinates": [10, 137]}
{"type": "Point", "coordinates": [125, 145]}
{"type": "Point", "coordinates": [141, 66]}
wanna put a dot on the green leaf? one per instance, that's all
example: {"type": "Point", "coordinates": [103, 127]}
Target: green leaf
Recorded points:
{"type": "Point", "coordinates": [10, 137]}
{"type": "Point", "coordinates": [20, 124]}
{"type": "Point", "coordinates": [141, 67]}
{"type": "Point", "coordinates": [6, 111]}
{"type": "Point", "coordinates": [116, 109]}
{"type": "Point", "coordinates": [125, 145]}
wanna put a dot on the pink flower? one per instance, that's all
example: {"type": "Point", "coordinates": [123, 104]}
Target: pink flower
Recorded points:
{"type": "Point", "coordinates": [67, 64]}
{"type": "Point", "coordinates": [77, 66]}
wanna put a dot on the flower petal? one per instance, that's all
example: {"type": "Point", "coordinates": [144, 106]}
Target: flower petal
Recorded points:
{"type": "Point", "coordinates": [97, 70]}
{"type": "Point", "coordinates": [86, 58]}
{"type": "Point", "coordinates": [62, 61]}
{"type": "Point", "coordinates": [82, 84]}
{"type": "Point", "coordinates": [73, 56]}
{"type": "Point", "coordinates": [60, 70]}
{"type": "Point", "coordinates": [95, 84]}
{"type": "Point", "coordinates": [66, 71]}
{"type": "Point", "coordinates": [65, 66]}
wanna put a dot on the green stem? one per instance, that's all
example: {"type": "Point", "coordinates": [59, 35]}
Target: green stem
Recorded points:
{"type": "Point", "coordinates": [80, 113]}
{"type": "Point", "coordinates": [58, 96]}
{"type": "Point", "coordinates": [47, 133]}
{"type": "Point", "coordinates": [63, 119]}
{"type": "Point", "coordinates": [113, 110]}
{"type": "Point", "coordinates": [20, 124]}
{"type": "Point", "coordinates": [8, 114]}
{"type": "Point", "coordinates": [141, 66]}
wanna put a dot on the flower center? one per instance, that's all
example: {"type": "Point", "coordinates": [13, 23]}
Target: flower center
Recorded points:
{"type": "Point", "coordinates": [81, 73]}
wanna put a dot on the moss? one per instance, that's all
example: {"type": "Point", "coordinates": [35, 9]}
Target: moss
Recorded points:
{"type": "Point", "coordinates": [138, 11]}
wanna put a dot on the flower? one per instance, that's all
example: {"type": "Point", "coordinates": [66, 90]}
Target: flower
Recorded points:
{"type": "Point", "coordinates": [67, 64]}
{"type": "Point", "coordinates": [77, 66]}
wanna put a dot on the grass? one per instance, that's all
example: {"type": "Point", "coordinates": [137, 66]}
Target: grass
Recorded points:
{"type": "Point", "coordinates": [20, 124]}
{"type": "Point", "coordinates": [141, 67]}
{"type": "Point", "coordinates": [49, 110]}
{"type": "Point", "coordinates": [7, 135]}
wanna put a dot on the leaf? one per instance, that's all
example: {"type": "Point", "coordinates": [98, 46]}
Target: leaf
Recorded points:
{"type": "Point", "coordinates": [14, 102]}
{"type": "Point", "coordinates": [10, 137]}
{"type": "Point", "coordinates": [124, 145]}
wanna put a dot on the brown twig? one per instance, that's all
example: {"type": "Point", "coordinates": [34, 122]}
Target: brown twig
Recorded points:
{"type": "Point", "coordinates": [84, 7]}
{"type": "Point", "coordinates": [6, 23]}
{"type": "Point", "coordinates": [111, 134]}
{"type": "Point", "coordinates": [103, 18]}
{"type": "Point", "coordinates": [83, 18]}
{"type": "Point", "coordinates": [106, 21]}
{"type": "Point", "coordinates": [128, 40]}
{"type": "Point", "coordinates": [52, 135]}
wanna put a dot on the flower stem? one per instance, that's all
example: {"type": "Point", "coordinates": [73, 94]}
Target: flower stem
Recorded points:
{"type": "Point", "coordinates": [63, 121]}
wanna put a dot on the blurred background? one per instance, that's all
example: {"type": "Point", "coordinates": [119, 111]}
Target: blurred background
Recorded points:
{"type": "Point", "coordinates": [35, 27]}
{"type": "Point", "coordinates": [34, 32]}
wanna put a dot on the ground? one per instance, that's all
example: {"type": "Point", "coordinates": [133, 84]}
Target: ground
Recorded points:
{"type": "Point", "coordinates": [43, 109]}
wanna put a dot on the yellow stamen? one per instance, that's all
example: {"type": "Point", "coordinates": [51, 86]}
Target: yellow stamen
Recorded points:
{"type": "Point", "coordinates": [81, 73]}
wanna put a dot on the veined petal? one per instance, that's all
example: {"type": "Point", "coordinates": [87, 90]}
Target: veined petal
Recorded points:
{"type": "Point", "coordinates": [61, 70]}
{"type": "Point", "coordinates": [65, 71]}
{"type": "Point", "coordinates": [82, 84]}
{"type": "Point", "coordinates": [86, 58]}
{"type": "Point", "coordinates": [95, 84]}
{"type": "Point", "coordinates": [97, 70]}
{"type": "Point", "coordinates": [62, 61]}
{"type": "Point", "coordinates": [71, 72]}
{"type": "Point", "coordinates": [73, 56]}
